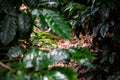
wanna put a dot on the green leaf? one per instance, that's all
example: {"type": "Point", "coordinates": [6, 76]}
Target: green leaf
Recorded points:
{"type": "Point", "coordinates": [8, 29]}
{"type": "Point", "coordinates": [96, 29]}
{"type": "Point", "coordinates": [16, 51]}
{"type": "Point", "coordinates": [38, 14]}
{"type": "Point", "coordinates": [8, 5]}
{"type": "Point", "coordinates": [48, 3]}
{"type": "Point", "coordinates": [58, 55]}
{"type": "Point", "coordinates": [31, 3]}
{"type": "Point", "coordinates": [86, 62]}
{"type": "Point", "coordinates": [57, 23]}
{"type": "Point", "coordinates": [32, 53]}
{"type": "Point", "coordinates": [82, 55]}
{"type": "Point", "coordinates": [104, 58]}
{"type": "Point", "coordinates": [112, 57]}
{"type": "Point", "coordinates": [46, 35]}
{"type": "Point", "coordinates": [72, 6]}
{"type": "Point", "coordinates": [42, 22]}
{"type": "Point", "coordinates": [59, 73]}
{"type": "Point", "coordinates": [44, 39]}
{"type": "Point", "coordinates": [79, 53]}
{"type": "Point", "coordinates": [55, 55]}
{"type": "Point", "coordinates": [56, 73]}
{"type": "Point", "coordinates": [105, 10]}
{"type": "Point", "coordinates": [25, 25]}
{"type": "Point", "coordinates": [19, 75]}
{"type": "Point", "coordinates": [39, 60]}
{"type": "Point", "coordinates": [5, 5]}
{"type": "Point", "coordinates": [104, 29]}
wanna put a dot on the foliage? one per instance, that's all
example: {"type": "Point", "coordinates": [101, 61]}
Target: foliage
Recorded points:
{"type": "Point", "coordinates": [54, 20]}
{"type": "Point", "coordinates": [93, 16]}
{"type": "Point", "coordinates": [43, 39]}
{"type": "Point", "coordinates": [36, 63]}
{"type": "Point", "coordinates": [16, 22]}
{"type": "Point", "coordinates": [99, 17]}
{"type": "Point", "coordinates": [24, 59]}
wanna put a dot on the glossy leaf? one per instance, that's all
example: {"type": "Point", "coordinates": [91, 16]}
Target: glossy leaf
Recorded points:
{"type": "Point", "coordinates": [104, 29]}
{"type": "Point", "coordinates": [37, 13]}
{"type": "Point", "coordinates": [9, 27]}
{"type": "Point", "coordinates": [55, 55]}
{"type": "Point", "coordinates": [31, 55]}
{"type": "Point", "coordinates": [48, 3]}
{"type": "Point", "coordinates": [44, 39]}
{"type": "Point", "coordinates": [40, 60]}
{"type": "Point", "coordinates": [57, 23]}
{"type": "Point", "coordinates": [58, 55]}
{"type": "Point", "coordinates": [112, 57]}
{"type": "Point", "coordinates": [86, 62]}
{"type": "Point", "coordinates": [16, 51]}
{"type": "Point", "coordinates": [96, 29]}
{"type": "Point", "coordinates": [59, 73]}
{"type": "Point", "coordinates": [42, 22]}
{"type": "Point", "coordinates": [82, 55]}
{"type": "Point", "coordinates": [72, 6]}
{"type": "Point", "coordinates": [78, 53]}
{"type": "Point", "coordinates": [25, 25]}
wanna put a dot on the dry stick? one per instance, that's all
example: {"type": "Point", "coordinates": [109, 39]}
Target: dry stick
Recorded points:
{"type": "Point", "coordinates": [17, 59]}
{"type": "Point", "coordinates": [5, 66]}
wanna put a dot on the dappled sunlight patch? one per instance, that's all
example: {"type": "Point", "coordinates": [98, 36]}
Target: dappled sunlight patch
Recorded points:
{"type": "Point", "coordinates": [83, 41]}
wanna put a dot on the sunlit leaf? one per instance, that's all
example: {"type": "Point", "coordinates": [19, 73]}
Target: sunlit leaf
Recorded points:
{"type": "Point", "coordinates": [50, 58]}
{"type": "Point", "coordinates": [40, 23]}
{"type": "Point", "coordinates": [16, 51]}
{"type": "Point", "coordinates": [57, 23]}
{"type": "Point", "coordinates": [58, 55]}
{"type": "Point", "coordinates": [86, 62]}
{"type": "Point", "coordinates": [31, 55]}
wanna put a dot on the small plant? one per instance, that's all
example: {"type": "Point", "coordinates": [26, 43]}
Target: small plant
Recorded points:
{"type": "Point", "coordinates": [44, 40]}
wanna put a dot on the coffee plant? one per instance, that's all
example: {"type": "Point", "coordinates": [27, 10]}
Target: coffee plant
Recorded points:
{"type": "Point", "coordinates": [20, 45]}
{"type": "Point", "coordinates": [100, 18]}
{"type": "Point", "coordinates": [20, 56]}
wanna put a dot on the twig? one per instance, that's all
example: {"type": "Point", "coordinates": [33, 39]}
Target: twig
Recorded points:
{"type": "Point", "coordinates": [5, 66]}
{"type": "Point", "coordinates": [17, 59]}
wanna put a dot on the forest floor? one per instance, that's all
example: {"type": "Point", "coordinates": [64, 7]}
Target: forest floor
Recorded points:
{"type": "Point", "coordinates": [83, 41]}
